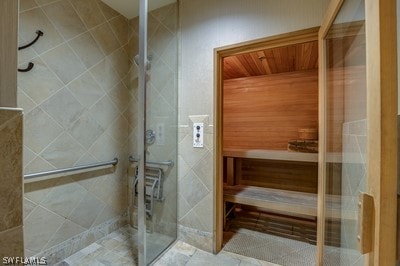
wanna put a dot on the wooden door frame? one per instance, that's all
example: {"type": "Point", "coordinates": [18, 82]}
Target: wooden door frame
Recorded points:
{"type": "Point", "coordinates": [381, 68]}
{"type": "Point", "coordinates": [220, 53]}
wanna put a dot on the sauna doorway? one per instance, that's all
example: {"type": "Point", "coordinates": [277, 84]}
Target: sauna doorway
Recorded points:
{"type": "Point", "coordinates": [269, 147]}
{"type": "Point", "coordinates": [357, 114]}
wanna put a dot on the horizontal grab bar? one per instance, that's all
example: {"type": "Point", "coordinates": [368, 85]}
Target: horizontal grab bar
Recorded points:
{"type": "Point", "coordinates": [167, 163]}
{"type": "Point", "coordinates": [71, 169]}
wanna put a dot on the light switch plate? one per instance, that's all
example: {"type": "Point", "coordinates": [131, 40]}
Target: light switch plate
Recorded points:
{"type": "Point", "coordinates": [198, 135]}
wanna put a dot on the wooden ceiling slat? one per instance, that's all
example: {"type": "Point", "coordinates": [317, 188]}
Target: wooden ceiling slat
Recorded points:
{"type": "Point", "coordinates": [264, 62]}
{"type": "Point", "coordinates": [269, 57]}
{"type": "Point", "coordinates": [303, 56]}
{"type": "Point", "coordinates": [292, 58]}
{"type": "Point", "coordinates": [246, 68]}
{"type": "Point", "coordinates": [252, 64]}
{"type": "Point", "coordinates": [258, 63]}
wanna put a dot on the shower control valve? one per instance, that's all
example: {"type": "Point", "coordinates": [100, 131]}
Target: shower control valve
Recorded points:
{"type": "Point", "coordinates": [198, 134]}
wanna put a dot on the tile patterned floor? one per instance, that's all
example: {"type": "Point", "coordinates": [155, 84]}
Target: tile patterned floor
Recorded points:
{"type": "Point", "coordinates": [244, 248]}
{"type": "Point", "coordinates": [185, 254]}
{"type": "Point", "coordinates": [119, 248]}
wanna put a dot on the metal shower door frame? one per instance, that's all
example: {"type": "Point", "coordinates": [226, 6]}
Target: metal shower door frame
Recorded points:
{"type": "Point", "coordinates": [143, 10]}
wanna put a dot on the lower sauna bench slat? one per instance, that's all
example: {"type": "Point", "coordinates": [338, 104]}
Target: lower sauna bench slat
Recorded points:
{"type": "Point", "coordinates": [285, 201]}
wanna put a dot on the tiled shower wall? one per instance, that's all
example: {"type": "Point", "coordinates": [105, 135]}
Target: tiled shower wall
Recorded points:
{"type": "Point", "coordinates": [78, 106]}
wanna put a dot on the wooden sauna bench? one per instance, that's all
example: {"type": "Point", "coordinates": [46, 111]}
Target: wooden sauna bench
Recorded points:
{"type": "Point", "coordinates": [281, 201]}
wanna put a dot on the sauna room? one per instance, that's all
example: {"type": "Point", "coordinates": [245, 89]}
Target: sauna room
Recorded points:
{"type": "Point", "coordinates": [270, 140]}
{"type": "Point", "coordinates": [269, 148]}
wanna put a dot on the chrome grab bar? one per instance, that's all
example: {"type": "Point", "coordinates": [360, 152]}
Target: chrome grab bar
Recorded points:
{"type": "Point", "coordinates": [71, 169]}
{"type": "Point", "coordinates": [167, 163]}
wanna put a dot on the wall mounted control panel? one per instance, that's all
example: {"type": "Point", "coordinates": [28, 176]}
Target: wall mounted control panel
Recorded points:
{"type": "Point", "coordinates": [198, 135]}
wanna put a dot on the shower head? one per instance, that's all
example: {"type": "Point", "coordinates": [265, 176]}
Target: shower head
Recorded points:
{"type": "Point", "coordinates": [148, 65]}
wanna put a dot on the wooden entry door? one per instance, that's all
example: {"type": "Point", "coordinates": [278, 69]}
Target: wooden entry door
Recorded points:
{"type": "Point", "coordinates": [358, 132]}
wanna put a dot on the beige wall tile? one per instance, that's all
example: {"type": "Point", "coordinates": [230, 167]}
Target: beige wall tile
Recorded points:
{"type": "Point", "coordinates": [104, 112]}
{"type": "Point", "coordinates": [25, 55]}
{"type": "Point", "coordinates": [29, 206]}
{"type": "Point", "coordinates": [11, 243]}
{"type": "Point", "coordinates": [67, 230]}
{"type": "Point", "coordinates": [119, 130]}
{"type": "Point", "coordinates": [28, 155]}
{"type": "Point", "coordinates": [133, 45]}
{"type": "Point", "coordinates": [87, 211]}
{"type": "Point", "coordinates": [107, 11]}
{"type": "Point", "coordinates": [86, 130]}
{"type": "Point", "coordinates": [87, 49]}
{"type": "Point", "coordinates": [39, 227]}
{"type": "Point", "coordinates": [63, 107]}
{"type": "Point", "coordinates": [45, 2]}
{"type": "Point", "coordinates": [32, 20]}
{"type": "Point", "coordinates": [121, 97]}
{"type": "Point", "coordinates": [160, 40]}
{"type": "Point", "coordinates": [189, 154]}
{"type": "Point", "coordinates": [65, 64]}
{"type": "Point", "coordinates": [119, 26]}
{"type": "Point", "coordinates": [192, 189]}
{"type": "Point", "coordinates": [26, 4]}
{"type": "Point", "coordinates": [170, 19]}
{"type": "Point", "coordinates": [106, 214]}
{"type": "Point", "coordinates": [64, 17]}
{"type": "Point", "coordinates": [63, 198]}
{"type": "Point", "coordinates": [107, 41]}
{"type": "Point", "coordinates": [34, 136]}
{"type": "Point", "coordinates": [105, 143]}
{"type": "Point", "coordinates": [37, 191]}
{"type": "Point", "coordinates": [203, 170]}
{"type": "Point", "coordinates": [89, 11]}
{"type": "Point", "coordinates": [37, 165]}
{"type": "Point", "coordinates": [86, 90]}
{"type": "Point", "coordinates": [63, 152]}
{"type": "Point", "coordinates": [119, 59]}
{"type": "Point", "coordinates": [24, 101]}
{"type": "Point", "coordinates": [39, 83]}
{"type": "Point", "coordinates": [107, 82]}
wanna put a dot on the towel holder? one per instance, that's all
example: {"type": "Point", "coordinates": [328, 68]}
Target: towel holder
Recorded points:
{"type": "Point", "coordinates": [30, 64]}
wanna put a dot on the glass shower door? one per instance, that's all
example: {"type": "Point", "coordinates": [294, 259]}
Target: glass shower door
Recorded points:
{"type": "Point", "coordinates": [158, 92]}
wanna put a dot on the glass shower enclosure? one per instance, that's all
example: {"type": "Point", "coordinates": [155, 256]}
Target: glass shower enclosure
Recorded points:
{"type": "Point", "coordinates": [155, 181]}
{"type": "Point", "coordinates": [99, 93]}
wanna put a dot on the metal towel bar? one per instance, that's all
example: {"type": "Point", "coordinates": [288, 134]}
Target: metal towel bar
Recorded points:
{"type": "Point", "coordinates": [167, 163]}
{"type": "Point", "coordinates": [71, 169]}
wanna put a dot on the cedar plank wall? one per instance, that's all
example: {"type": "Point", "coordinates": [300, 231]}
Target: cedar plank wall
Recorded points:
{"type": "Point", "coordinates": [264, 112]}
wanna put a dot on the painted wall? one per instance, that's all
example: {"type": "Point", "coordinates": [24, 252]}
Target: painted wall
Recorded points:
{"type": "Point", "coordinates": [75, 102]}
{"type": "Point", "coordinates": [205, 25]}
